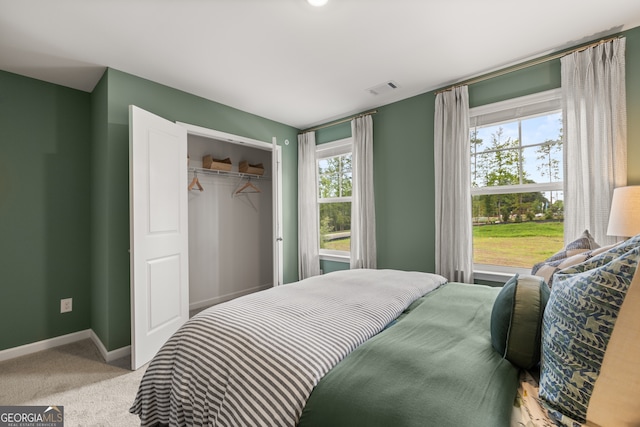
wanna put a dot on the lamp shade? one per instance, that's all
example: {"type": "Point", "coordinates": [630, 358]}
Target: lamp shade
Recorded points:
{"type": "Point", "coordinates": [624, 218]}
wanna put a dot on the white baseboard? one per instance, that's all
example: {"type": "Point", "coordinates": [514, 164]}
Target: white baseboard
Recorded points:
{"type": "Point", "coordinates": [109, 356]}
{"type": "Point", "coordinates": [35, 347]}
{"type": "Point", "coordinates": [217, 300]}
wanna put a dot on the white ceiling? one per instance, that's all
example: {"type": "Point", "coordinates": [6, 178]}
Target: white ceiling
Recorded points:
{"type": "Point", "coordinates": [286, 60]}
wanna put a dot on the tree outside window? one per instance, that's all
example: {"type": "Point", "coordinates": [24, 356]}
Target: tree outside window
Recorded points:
{"type": "Point", "coordinates": [334, 202]}
{"type": "Point", "coordinates": [516, 187]}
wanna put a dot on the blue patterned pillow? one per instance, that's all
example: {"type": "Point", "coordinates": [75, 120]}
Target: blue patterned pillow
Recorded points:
{"type": "Point", "coordinates": [577, 326]}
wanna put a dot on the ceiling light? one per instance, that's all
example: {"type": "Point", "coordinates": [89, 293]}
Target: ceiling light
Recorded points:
{"type": "Point", "coordinates": [317, 3]}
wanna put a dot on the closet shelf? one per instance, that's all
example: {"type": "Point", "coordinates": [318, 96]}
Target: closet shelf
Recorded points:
{"type": "Point", "coordinates": [232, 174]}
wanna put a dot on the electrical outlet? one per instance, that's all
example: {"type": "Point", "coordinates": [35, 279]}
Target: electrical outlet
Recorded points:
{"type": "Point", "coordinates": [66, 305]}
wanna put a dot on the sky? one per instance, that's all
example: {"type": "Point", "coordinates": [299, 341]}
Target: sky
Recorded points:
{"type": "Point", "coordinates": [535, 130]}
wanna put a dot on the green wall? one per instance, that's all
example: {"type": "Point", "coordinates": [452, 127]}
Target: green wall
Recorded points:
{"type": "Point", "coordinates": [403, 157]}
{"type": "Point", "coordinates": [403, 183]}
{"type": "Point", "coordinates": [329, 266]}
{"type": "Point", "coordinates": [633, 106]}
{"type": "Point", "coordinates": [403, 165]}
{"type": "Point", "coordinates": [45, 193]}
{"type": "Point", "coordinates": [117, 91]}
{"type": "Point", "coordinates": [99, 210]}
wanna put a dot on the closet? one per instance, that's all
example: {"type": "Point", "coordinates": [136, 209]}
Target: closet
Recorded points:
{"type": "Point", "coordinates": [230, 221]}
{"type": "Point", "coordinates": [196, 242]}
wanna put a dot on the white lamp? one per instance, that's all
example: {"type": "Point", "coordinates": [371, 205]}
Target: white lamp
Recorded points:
{"type": "Point", "coordinates": [624, 218]}
{"type": "Point", "coordinates": [317, 3]}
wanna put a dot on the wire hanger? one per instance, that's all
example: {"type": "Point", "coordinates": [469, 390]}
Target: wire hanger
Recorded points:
{"type": "Point", "coordinates": [195, 182]}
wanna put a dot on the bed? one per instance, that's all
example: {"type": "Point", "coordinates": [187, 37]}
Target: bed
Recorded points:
{"type": "Point", "coordinates": [356, 348]}
{"type": "Point", "coordinates": [434, 366]}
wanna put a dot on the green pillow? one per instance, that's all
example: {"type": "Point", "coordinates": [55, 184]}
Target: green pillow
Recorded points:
{"type": "Point", "coordinates": [516, 320]}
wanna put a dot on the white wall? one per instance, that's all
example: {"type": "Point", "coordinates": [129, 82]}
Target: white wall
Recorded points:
{"type": "Point", "coordinates": [230, 238]}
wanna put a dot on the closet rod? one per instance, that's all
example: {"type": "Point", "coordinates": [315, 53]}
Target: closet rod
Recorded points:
{"type": "Point", "coordinates": [337, 122]}
{"type": "Point", "coordinates": [526, 64]}
{"type": "Point", "coordinates": [229, 173]}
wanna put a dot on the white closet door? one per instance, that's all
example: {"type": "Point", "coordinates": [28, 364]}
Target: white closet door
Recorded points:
{"type": "Point", "coordinates": [276, 167]}
{"type": "Point", "coordinates": [159, 232]}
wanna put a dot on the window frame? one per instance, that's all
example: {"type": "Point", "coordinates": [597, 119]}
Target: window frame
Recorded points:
{"type": "Point", "coordinates": [324, 151]}
{"type": "Point", "coordinates": [537, 104]}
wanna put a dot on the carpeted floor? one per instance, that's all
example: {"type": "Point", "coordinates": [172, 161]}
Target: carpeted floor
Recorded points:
{"type": "Point", "coordinates": [75, 376]}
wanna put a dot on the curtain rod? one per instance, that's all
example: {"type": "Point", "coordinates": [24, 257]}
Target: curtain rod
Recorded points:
{"type": "Point", "coordinates": [337, 122]}
{"type": "Point", "coordinates": [526, 64]}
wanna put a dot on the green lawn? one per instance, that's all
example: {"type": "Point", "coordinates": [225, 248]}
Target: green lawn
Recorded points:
{"type": "Point", "coordinates": [515, 244]}
{"type": "Point", "coordinates": [338, 244]}
{"type": "Point", "coordinates": [518, 244]}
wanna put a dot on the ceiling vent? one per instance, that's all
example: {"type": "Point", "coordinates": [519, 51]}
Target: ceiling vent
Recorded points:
{"type": "Point", "coordinates": [383, 88]}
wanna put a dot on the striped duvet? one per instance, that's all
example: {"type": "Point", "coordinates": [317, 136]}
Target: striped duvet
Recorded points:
{"type": "Point", "coordinates": [255, 360]}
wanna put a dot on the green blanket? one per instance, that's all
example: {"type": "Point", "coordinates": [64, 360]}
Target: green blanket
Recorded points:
{"type": "Point", "coordinates": [434, 367]}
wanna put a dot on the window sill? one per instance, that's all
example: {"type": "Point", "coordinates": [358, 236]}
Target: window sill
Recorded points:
{"type": "Point", "coordinates": [496, 273]}
{"type": "Point", "coordinates": [335, 257]}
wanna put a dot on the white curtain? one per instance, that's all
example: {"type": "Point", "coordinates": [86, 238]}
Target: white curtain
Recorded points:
{"type": "Point", "coordinates": [363, 215]}
{"type": "Point", "coordinates": [454, 245]}
{"type": "Point", "coordinates": [308, 225]}
{"type": "Point", "coordinates": [595, 137]}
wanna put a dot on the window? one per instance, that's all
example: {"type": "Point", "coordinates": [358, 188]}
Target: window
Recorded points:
{"type": "Point", "coordinates": [334, 197]}
{"type": "Point", "coordinates": [516, 182]}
